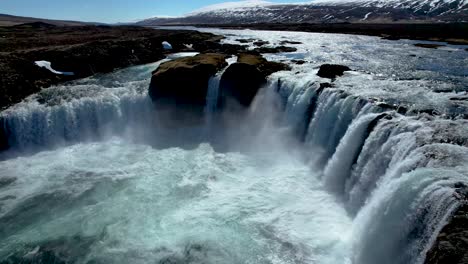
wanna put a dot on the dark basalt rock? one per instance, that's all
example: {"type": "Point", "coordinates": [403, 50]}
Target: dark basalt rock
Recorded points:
{"type": "Point", "coordinates": [216, 47]}
{"type": "Point", "coordinates": [285, 42]}
{"type": "Point", "coordinates": [184, 81]}
{"type": "Point", "coordinates": [278, 49]}
{"type": "Point", "coordinates": [428, 46]}
{"type": "Point", "coordinates": [243, 79]}
{"type": "Point", "coordinates": [388, 37]}
{"type": "Point", "coordinates": [331, 71]}
{"type": "Point", "coordinates": [398, 108]}
{"type": "Point", "coordinates": [178, 88]}
{"type": "Point", "coordinates": [459, 98]}
{"type": "Point", "coordinates": [242, 82]}
{"type": "Point", "coordinates": [326, 85]}
{"type": "Point", "coordinates": [244, 41]}
{"type": "Point", "coordinates": [431, 112]}
{"type": "Point", "coordinates": [298, 62]}
{"type": "Point", "coordinates": [261, 43]}
{"type": "Point", "coordinates": [3, 136]}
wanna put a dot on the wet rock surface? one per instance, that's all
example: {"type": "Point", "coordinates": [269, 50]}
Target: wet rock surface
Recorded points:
{"type": "Point", "coordinates": [180, 86]}
{"type": "Point", "coordinates": [184, 81]}
{"type": "Point", "coordinates": [298, 62]}
{"type": "Point", "coordinates": [243, 79]}
{"type": "Point", "coordinates": [261, 43]}
{"type": "Point", "coordinates": [285, 42]}
{"type": "Point", "coordinates": [428, 45]}
{"type": "Point", "coordinates": [278, 49]}
{"type": "Point", "coordinates": [332, 71]}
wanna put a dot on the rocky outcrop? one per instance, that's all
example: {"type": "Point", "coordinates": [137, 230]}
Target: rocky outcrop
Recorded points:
{"type": "Point", "coordinates": [184, 81]}
{"type": "Point", "coordinates": [278, 49]}
{"type": "Point", "coordinates": [244, 41]}
{"type": "Point", "coordinates": [285, 42]}
{"type": "Point", "coordinates": [298, 62]}
{"type": "Point", "coordinates": [261, 43]}
{"type": "Point", "coordinates": [428, 45]}
{"type": "Point", "coordinates": [3, 136]}
{"type": "Point", "coordinates": [242, 80]}
{"type": "Point", "coordinates": [452, 243]}
{"type": "Point", "coordinates": [331, 71]}
{"type": "Point", "coordinates": [179, 87]}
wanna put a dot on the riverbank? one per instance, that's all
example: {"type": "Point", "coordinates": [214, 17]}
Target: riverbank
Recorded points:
{"type": "Point", "coordinates": [83, 51]}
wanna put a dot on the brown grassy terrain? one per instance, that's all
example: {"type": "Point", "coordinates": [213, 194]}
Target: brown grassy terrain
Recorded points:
{"type": "Point", "coordinates": [84, 50]}
{"type": "Point", "coordinates": [9, 20]}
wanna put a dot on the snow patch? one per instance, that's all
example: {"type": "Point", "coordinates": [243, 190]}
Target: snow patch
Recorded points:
{"type": "Point", "coordinates": [366, 16]}
{"type": "Point", "coordinates": [231, 5]}
{"type": "Point", "coordinates": [413, 4]}
{"type": "Point", "coordinates": [47, 65]}
{"type": "Point", "coordinates": [166, 45]}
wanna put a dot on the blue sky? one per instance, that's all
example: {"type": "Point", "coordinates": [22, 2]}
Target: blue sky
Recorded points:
{"type": "Point", "coordinates": [104, 10]}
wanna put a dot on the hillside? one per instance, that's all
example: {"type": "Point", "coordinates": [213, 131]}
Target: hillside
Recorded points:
{"type": "Point", "coordinates": [325, 11]}
{"type": "Point", "coordinates": [9, 20]}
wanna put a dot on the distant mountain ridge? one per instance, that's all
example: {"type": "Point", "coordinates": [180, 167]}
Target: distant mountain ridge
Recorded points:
{"type": "Point", "coordinates": [324, 11]}
{"type": "Point", "coordinates": [10, 20]}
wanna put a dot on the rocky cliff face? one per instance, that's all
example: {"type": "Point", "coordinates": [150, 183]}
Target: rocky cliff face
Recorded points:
{"type": "Point", "coordinates": [243, 79]}
{"type": "Point", "coordinates": [183, 82]}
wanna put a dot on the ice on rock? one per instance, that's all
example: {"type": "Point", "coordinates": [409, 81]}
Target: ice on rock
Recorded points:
{"type": "Point", "coordinates": [47, 65]}
{"type": "Point", "coordinates": [166, 45]}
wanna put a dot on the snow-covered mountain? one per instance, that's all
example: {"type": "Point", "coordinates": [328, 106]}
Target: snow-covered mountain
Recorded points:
{"type": "Point", "coordinates": [319, 11]}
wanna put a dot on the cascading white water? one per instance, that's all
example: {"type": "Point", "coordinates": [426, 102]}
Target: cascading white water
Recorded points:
{"type": "Point", "coordinates": [35, 125]}
{"type": "Point", "coordinates": [84, 110]}
{"type": "Point", "coordinates": [340, 165]}
{"type": "Point", "coordinates": [191, 206]}
{"type": "Point", "coordinates": [90, 109]}
{"type": "Point", "coordinates": [393, 175]}
{"type": "Point", "coordinates": [212, 96]}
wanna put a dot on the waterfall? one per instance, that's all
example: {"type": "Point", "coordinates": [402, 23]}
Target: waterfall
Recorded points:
{"type": "Point", "coordinates": [212, 97]}
{"type": "Point", "coordinates": [33, 125]}
{"type": "Point", "coordinates": [396, 174]}
{"type": "Point", "coordinates": [340, 165]}
{"type": "Point", "coordinates": [94, 108]}
{"type": "Point", "coordinates": [81, 111]}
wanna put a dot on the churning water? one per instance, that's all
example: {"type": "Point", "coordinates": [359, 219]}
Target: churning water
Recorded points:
{"type": "Point", "coordinates": [306, 175]}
